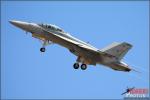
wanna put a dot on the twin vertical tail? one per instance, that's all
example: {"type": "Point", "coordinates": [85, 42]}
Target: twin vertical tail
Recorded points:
{"type": "Point", "coordinates": [117, 49]}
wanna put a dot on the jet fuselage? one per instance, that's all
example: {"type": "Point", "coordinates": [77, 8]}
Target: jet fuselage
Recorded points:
{"type": "Point", "coordinates": [86, 53]}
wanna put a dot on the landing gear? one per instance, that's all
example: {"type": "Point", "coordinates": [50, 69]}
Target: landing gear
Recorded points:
{"type": "Point", "coordinates": [42, 49]}
{"type": "Point", "coordinates": [76, 66]}
{"type": "Point", "coordinates": [83, 66]}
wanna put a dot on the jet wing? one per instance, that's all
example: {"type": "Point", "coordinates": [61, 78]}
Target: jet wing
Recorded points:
{"type": "Point", "coordinates": [72, 43]}
{"type": "Point", "coordinates": [90, 55]}
{"type": "Point", "coordinates": [76, 43]}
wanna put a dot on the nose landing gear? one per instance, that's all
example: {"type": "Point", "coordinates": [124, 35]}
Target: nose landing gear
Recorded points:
{"type": "Point", "coordinates": [45, 43]}
{"type": "Point", "coordinates": [42, 49]}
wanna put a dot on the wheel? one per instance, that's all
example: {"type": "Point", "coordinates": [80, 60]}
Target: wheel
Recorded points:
{"type": "Point", "coordinates": [76, 65]}
{"type": "Point", "coordinates": [83, 66]}
{"type": "Point", "coordinates": [42, 49]}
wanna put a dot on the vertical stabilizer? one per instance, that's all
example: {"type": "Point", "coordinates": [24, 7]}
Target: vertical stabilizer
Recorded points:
{"type": "Point", "coordinates": [117, 49]}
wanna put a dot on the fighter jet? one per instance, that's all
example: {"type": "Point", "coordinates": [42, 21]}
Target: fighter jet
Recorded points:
{"type": "Point", "coordinates": [110, 56]}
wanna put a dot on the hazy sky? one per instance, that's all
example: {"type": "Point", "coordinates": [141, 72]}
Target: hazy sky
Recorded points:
{"type": "Point", "coordinates": [28, 73]}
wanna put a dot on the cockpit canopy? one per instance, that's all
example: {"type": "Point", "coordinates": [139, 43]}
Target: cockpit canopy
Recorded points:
{"type": "Point", "coordinates": [52, 27]}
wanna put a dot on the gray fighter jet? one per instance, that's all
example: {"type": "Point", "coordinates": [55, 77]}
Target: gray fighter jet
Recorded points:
{"type": "Point", "coordinates": [86, 54]}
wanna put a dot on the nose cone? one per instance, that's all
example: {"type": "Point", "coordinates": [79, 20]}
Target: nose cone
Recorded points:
{"type": "Point", "coordinates": [20, 24]}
